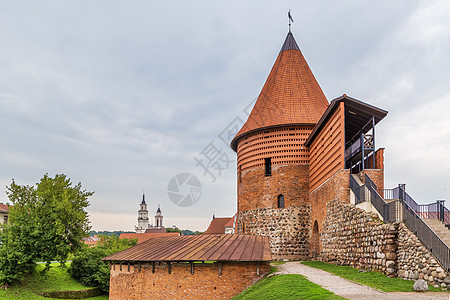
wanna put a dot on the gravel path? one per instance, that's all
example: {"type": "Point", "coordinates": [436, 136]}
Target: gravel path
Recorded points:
{"type": "Point", "coordinates": [349, 289]}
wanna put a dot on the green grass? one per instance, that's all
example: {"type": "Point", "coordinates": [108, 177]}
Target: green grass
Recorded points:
{"type": "Point", "coordinates": [373, 279]}
{"type": "Point", "coordinates": [57, 278]}
{"type": "Point", "coordinates": [286, 287]}
{"type": "Point", "coordinates": [277, 262]}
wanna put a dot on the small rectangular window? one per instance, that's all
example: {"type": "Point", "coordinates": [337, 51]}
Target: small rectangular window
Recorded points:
{"type": "Point", "coordinates": [268, 163]}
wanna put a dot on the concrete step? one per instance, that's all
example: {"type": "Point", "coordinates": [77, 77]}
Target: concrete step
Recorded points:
{"type": "Point", "coordinates": [440, 229]}
{"type": "Point", "coordinates": [434, 221]}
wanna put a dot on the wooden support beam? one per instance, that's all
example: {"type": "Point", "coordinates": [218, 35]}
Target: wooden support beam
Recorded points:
{"type": "Point", "coordinates": [169, 267]}
{"type": "Point", "coordinates": [192, 268]}
{"type": "Point", "coordinates": [120, 267]}
{"type": "Point", "coordinates": [139, 267]}
{"type": "Point", "coordinates": [258, 268]}
{"type": "Point", "coordinates": [128, 266]}
{"type": "Point", "coordinates": [220, 268]}
{"type": "Point", "coordinates": [153, 267]}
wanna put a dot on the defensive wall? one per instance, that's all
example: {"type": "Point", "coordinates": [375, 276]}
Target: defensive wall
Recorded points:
{"type": "Point", "coordinates": [352, 236]}
{"type": "Point", "coordinates": [177, 281]}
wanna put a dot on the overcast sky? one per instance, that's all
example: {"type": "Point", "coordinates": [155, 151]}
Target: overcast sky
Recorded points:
{"type": "Point", "coordinates": [123, 95]}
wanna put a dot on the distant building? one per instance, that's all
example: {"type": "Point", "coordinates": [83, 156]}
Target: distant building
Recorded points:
{"type": "Point", "coordinates": [4, 213]}
{"type": "Point", "coordinates": [144, 225]}
{"type": "Point", "coordinates": [91, 241]}
{"type": "Point", "coordinates": [221, 225]}
{"type": "Point", "coordinates": [142, 217]}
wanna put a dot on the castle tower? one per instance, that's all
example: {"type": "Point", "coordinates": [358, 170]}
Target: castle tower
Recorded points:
{"type": "Point", "coordinates": [158, 218]}
{"type": "Point", "coordinates": [142, 216]}
{"type": "Point", "coordinates": [272, 158]}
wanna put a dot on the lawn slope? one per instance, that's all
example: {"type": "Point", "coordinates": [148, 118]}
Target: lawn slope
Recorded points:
{"type": "Point", "coordinates": [57, 279]}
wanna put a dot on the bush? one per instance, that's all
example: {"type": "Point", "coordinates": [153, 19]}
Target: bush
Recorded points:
{"type": "Point", "coordinates": [88, 268]}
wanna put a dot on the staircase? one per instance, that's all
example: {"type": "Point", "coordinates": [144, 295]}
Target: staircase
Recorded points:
{"type": "Point", "coordinates": [440, 229]}
{"type": "Point", "coordinates": [428, 222]}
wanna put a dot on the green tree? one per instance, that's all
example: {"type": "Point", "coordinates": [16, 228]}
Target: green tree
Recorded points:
{"type": "Point", "coordinates": [175, 229]}
{"type": "Point", "coordinates": [46, 223]}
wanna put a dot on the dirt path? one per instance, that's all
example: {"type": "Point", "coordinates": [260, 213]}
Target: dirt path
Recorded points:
{"type": "Point", "coordinates": [349, 289]}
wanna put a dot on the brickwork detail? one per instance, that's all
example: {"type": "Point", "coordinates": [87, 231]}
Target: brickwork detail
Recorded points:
{"type": "Point", "coordinates": [284, 145]}
{"type": "Point", "coordinates": [258, 191]}
{"type": "Point", "coordinates": [377, 176]}
{"type": "Point", "coordinates": [335, 188]}
{"type": "Point", "coordinates": [288, 229]}
{"type": "Point", "coordinates": [205, 283]}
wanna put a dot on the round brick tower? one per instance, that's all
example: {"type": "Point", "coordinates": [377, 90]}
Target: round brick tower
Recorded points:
{"type": "Point", "coordinates": [272, 161]}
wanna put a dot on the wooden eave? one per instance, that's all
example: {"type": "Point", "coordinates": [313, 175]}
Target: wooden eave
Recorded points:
{"type": "Point", "coordinates": [357, 115]}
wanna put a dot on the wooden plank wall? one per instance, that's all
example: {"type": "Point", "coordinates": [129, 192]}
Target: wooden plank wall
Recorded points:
{"type": "Point", "coordinates": [327, 149]}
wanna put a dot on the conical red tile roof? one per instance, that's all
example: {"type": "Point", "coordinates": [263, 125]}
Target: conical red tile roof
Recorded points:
{"type": "Point", "coordinates": [291, 94]}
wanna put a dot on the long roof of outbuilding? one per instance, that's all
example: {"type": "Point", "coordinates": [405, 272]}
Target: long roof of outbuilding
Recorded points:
{"type": "Point", "coordinates": [291, 94]}
{"type": "Point", "coordinates": [211, 247]}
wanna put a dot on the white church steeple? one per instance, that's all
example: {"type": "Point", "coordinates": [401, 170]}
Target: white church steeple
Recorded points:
{"type": "Point", "coordinates": [142, 216]}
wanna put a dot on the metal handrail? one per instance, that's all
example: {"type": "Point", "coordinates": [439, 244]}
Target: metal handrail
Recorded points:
{"type": "Point", "coordinates": [435, 210]}
{"type": "Point", "coordinates": [376, 200]}
{"type": "Point", "coordinates": [407, 210]}
{"type": "Point", "coordinates": [426, 235]}
{"type": "Point", "coordinates": [357, 190]}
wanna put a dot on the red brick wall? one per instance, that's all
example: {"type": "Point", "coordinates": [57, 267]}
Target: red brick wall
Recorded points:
{"type": "Point", "coordinates": [377, 176]}
{"type": "Point", "coordinates": [379, 160]}
{"type": "Point", "coordinates": [335, 188]}
{"type": "Point", "coordinates": [258, 191]}
{"type": "Point", "coordinates": [205, 283]}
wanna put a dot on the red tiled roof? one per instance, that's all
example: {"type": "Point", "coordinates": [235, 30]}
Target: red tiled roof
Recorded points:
{"type": "Point", "coordinates": [142, 237]}
{"type": "Point", "coordinates": [155, 230]}
{"type": "Point", "coordinates": [291, 94]}
{"type": "Point", "coordinates": [217, 225]}
{"type": "Point", "coordinates": [214, 247]}
{"type": "Point", "coordinates": [229, 223]}
{"type": "Point", "coordinates": [4, 208]}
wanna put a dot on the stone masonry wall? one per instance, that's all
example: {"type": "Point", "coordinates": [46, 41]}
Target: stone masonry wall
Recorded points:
{"type": "Point", "coordinates": [205, 283]}
{"type": "Point", "coordinates": [351, 236]}
{"type": "Point", "coordinates": [288, 229]}
{"type": "Point", "coordinates": [415, 261]}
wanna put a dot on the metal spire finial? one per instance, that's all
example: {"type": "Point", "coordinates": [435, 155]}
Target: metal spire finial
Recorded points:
{"type": "Point", "coordinates": [290, 20]}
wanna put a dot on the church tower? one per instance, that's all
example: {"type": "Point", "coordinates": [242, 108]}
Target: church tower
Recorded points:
{"type": "Point", "coordinates": [142, 217]}
{"type": "Point", "coordinates": [272, 158]}
{"type": "Point", "coordinates": [158, 218]}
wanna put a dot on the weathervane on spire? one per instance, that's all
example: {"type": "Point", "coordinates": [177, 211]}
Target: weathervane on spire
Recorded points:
{"type": "Point", "coordinates": [290, 20]}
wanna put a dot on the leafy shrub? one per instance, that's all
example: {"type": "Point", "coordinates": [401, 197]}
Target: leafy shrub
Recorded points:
{"type": "Point", "coordinates": [87, 266]}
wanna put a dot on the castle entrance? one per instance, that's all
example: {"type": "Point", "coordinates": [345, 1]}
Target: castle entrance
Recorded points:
{"type": "Point", "coordinates": [315, 240]}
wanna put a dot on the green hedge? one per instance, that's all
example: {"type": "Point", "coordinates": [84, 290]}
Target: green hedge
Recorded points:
{"type": "Point", "coordinates": [80, 294]}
